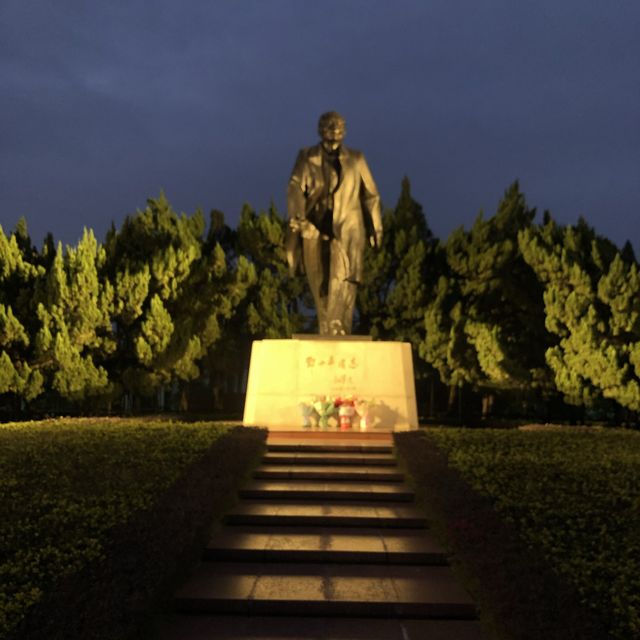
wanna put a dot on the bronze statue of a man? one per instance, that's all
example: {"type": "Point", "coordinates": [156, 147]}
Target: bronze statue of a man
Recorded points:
{"type": "Point", "coordinates": [334, 207]}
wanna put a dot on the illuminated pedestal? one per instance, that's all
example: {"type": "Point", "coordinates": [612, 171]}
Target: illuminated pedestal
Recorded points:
{"type": "Point", "coordinates": [284, 373]}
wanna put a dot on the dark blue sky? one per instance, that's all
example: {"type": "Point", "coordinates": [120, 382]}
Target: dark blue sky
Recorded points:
{"type": "Point", "coordinates": [103, 104]}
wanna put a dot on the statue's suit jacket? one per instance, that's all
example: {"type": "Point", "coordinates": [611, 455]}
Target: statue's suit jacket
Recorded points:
{"type": "Point", "coordinates": [356, 205]}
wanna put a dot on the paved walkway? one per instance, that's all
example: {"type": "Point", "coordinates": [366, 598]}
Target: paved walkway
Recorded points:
{"type": "Point", "coordinates": [325, 543]}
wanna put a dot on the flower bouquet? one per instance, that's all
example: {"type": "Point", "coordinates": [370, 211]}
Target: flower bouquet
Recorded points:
{"type": "Point", "coordinates": [307, 410]}
{"type": "Point", "coordinates": [362, 408]}
{"type": "Point", "coordinates": [325, 408]}
{"type": "Point", "coordinates": [346, 411]}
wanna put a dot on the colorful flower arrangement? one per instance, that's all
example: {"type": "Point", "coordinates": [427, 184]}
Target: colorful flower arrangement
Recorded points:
{"type": "Point", "coordinates": [325, 408]}
{"type": "Point", "coordinates": [349, 411]}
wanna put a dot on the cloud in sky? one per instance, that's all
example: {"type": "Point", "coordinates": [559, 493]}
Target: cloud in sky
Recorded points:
{"type": "Point", "coordinates": [104, 104]}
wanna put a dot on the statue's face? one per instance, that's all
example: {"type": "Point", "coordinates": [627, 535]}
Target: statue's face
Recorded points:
{"type": "Point", "coordinates": [332, 134]}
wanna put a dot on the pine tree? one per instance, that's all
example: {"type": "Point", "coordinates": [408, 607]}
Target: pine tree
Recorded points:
{"type": "Point", "coordinates": [373, 292]}
{"type": "Point", "coordinates": [74, 307]}
{"type": "Point", "coordinates": [172, 291]}
{"type": "Point", "coordinates": [16, 374]}
{"type": "Point", "coordinates": [399, 275]}
{"type": "Point", "coordinates": [18, 275]}
{"type": "Point", "coordinates": [628, 254]}
{"type": "Point", "coordinates": [485, 323]}
{"type": "Point", "coordinates": [591, 303]}
{"type": "Point", "coordinates": [274, 304]}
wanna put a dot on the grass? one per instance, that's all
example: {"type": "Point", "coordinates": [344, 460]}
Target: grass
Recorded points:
{"type": "Point", "coordinates": [544, 524]}
{"type": "Point", "coordinates": [88, 507]}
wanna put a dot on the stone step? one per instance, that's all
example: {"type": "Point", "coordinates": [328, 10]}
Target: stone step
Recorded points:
{"type": "Point", "coordinates": [329, 448]}
{"type": "Point", "coordinates": [325, 590]}
{"type": "Point", "coordinates": [230, 627]}
{"type": "Point", "coordinates": [313, 458]}
{"type": "Point", "coordinates": [327, 490]}
{"type": "Point", "coordinates": [329, 513]}
{"type": "Point", "coordinates": [328, 472]}
{"type": "Point", "coordinates": [325, 544]}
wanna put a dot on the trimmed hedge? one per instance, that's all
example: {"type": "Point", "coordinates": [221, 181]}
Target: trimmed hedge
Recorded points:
{"type": "Point", "coordinates": [525, 513]}
{"type": "Point", "coordinates": [98, 518]}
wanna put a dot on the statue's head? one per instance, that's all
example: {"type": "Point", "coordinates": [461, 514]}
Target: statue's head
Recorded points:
{"type": "Point", "coordinates": [332, 129]}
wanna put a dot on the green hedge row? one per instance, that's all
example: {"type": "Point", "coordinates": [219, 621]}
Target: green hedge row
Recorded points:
{"type": "Point", "coordinates": [571, 496]}
{"type": "Point", "coordinates": [97, 516]}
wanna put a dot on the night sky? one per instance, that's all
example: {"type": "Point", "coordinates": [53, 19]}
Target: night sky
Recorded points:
{"type": "Point", "coordinates": [103, 104]}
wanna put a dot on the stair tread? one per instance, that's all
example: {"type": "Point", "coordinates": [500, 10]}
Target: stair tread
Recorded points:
{"type": "Point", "coordinates": [326, 469]}
{"type": "Point", "coordinates": [299, 512]}
{"type": "Point", "coordinates": [325, 541]}
{"type": "Point", "coordinates": [310, 457]}
{"type": "Point", "coordinates": [230, 627]}
{"type": "Point", "coordinates": [379, 589]}
{"type": "Point", "coordinates": [307, 507]}
{"type": "Point", "coordinates": [330, 447]}
{"type": "Point", "coordinates": [320, 489]}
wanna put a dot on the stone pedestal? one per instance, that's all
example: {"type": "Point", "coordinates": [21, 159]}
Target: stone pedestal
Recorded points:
{"type": "Point", "coordinates": [285, 373]}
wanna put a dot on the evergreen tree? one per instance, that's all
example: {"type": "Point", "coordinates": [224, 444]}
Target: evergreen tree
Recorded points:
{"type": "Point", "coordinates": [16, 374]}
{"type": "Point", "coordinates": [18, 275]}
{"type": "Point", "coordinates": [444, 345]}
{"type": "Point", "coordinates": [74, 306]}
{"type": "Point", "coordinates": [170, 295]}
{"type": "Point", "coordinates": [398, 276]}
{"type": "Point", "coordinates": [373, 292]}
{"type": "Point", "coordinates": [628, 254]}
{"type": "Point", "coordinates": [274, 305]}
{"type": "Point", "coordinates": [592, 303]}
{"type": "Point", "coordinates": [485, 323]}
{"type": "Point", "coordinates": [619, 363]}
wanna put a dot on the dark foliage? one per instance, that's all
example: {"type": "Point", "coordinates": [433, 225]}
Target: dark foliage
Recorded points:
{"type": "Point", "coordinates": [520, 595]}
{"type": "Point", "coordinates": [149, 555]}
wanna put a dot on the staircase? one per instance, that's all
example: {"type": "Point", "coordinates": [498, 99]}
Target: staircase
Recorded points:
{"type": "Point", "coordinates": [324, 543]}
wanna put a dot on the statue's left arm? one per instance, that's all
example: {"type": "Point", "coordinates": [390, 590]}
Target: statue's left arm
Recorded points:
{"type": "Point", "coordinates": [371, 202]}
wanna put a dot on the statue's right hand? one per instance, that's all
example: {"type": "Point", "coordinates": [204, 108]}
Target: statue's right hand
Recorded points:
{"type": "Point", "coordinates": [302, 226]}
